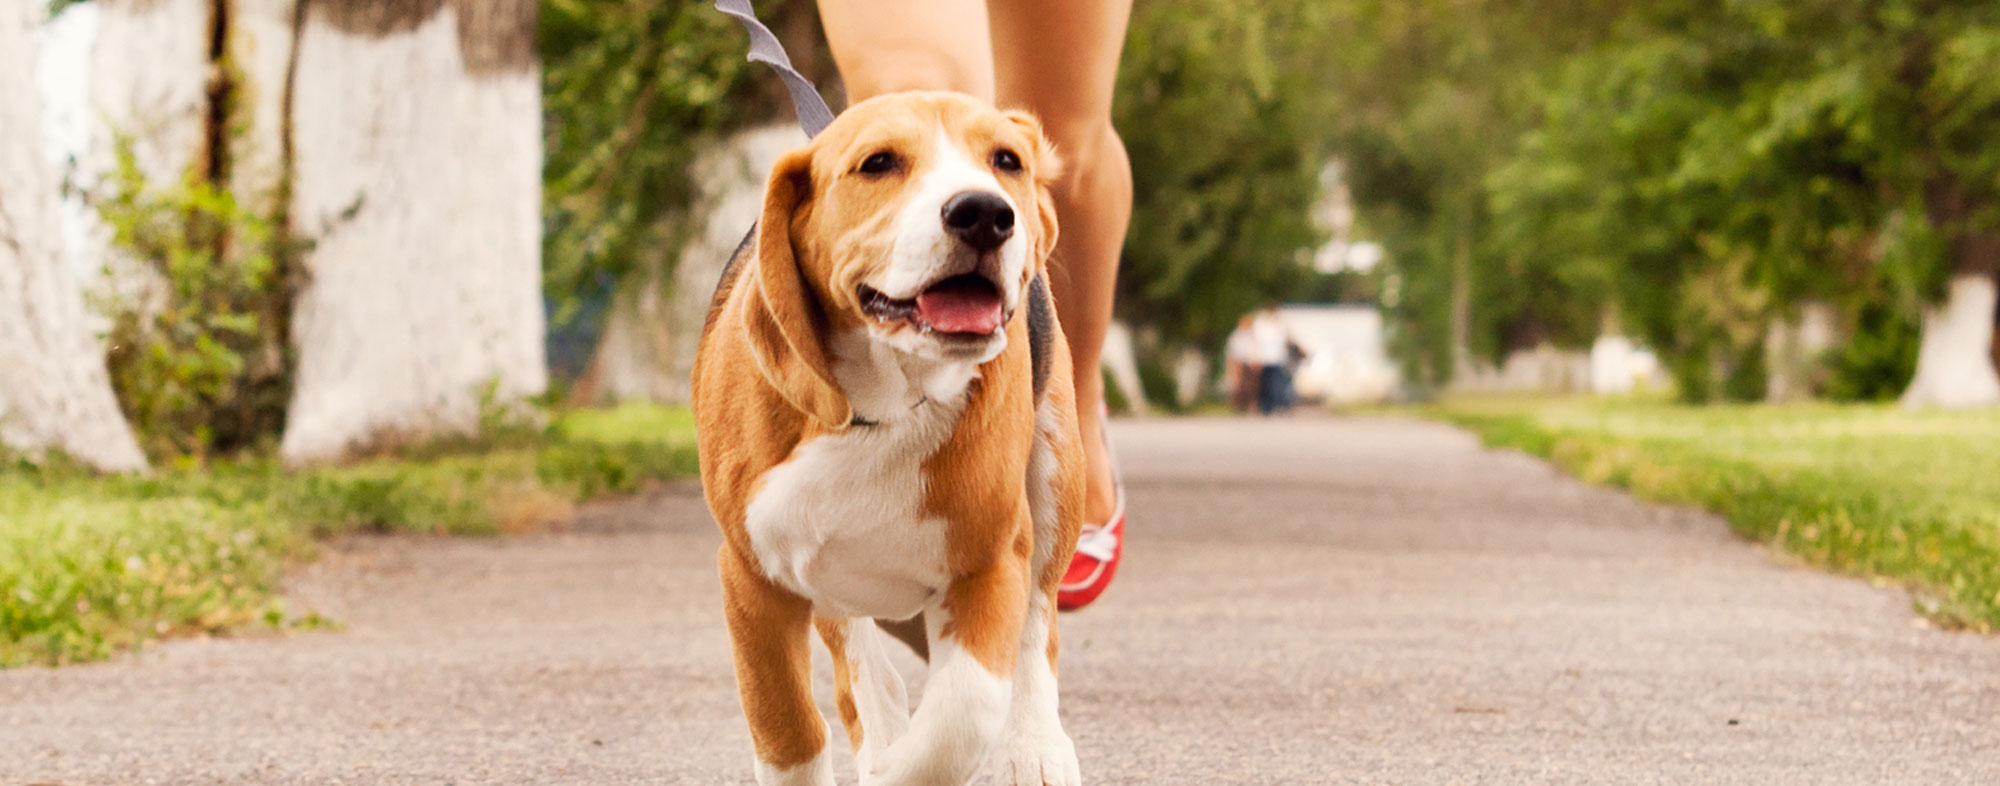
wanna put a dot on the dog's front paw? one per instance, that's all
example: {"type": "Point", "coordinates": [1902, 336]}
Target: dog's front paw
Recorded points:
{"type": "Point", "coordinates": [1041, 758]}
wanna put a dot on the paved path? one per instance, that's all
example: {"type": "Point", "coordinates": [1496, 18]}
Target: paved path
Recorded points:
{"type": "Point", "coordinates": [1304, 602]}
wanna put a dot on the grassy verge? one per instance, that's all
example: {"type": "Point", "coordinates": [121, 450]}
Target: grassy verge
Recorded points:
{"type": "Point", "coordinates": [92, 565]}
{"type": "Point", "coordinates": [1912, 497]}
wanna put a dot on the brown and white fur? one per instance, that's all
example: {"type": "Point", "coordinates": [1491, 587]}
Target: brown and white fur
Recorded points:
{"type": "Point", "coordinates": [864, 467]}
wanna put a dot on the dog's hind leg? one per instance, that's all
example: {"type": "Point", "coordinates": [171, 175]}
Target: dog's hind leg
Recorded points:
{"type": "Point", "coordinates": [874, 704]}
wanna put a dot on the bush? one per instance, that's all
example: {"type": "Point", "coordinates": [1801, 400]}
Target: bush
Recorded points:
{"type": "Point", "coordinates": [1878, 361]}
{"type": "Point", "coordinates": [203, 366]}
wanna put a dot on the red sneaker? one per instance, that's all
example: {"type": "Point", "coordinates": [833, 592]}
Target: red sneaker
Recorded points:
{"type": "Point", "coordinates": [1098, 548]}
{"type": "Point", "coordinates": [1095, 562]}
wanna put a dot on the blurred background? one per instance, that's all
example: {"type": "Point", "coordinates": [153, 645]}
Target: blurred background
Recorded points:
{"type": "Point", "coordinates": [316, 266]}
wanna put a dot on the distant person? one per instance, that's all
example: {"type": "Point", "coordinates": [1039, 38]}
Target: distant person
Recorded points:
{"type": "Point", "coordinates": [1241, 366]}
{"type": "Point", "coordinates": [1274, 350]}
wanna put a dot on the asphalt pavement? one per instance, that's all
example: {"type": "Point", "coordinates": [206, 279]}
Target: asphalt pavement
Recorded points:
{"type": "Point", "coordinates": [1303, 601]}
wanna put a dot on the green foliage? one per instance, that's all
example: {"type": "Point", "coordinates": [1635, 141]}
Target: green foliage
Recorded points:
{"type": "Point", "coordinates": [202, 368]}
{"type": "Point", "coordinates": [1695, 168]}
{"type": "Point", "coordinates": [93, 565]}
{"type": "Point", "coordinates": [84, 576]}
{"type": "Point", "coordinates": [1706, 165]}
{"type": "Point", "coordinates": [1869, 490]}
{"type": "Point", "coordinates": [1872, 365]}
{"type": "Point", "coordinates": [618, 450]}
{"type": "Point", "coordinates": [632, 91]}
{"type": "Point", "coordinates": [1430, 93]}
{"type": "Point", "coordinates": [1227, 129]}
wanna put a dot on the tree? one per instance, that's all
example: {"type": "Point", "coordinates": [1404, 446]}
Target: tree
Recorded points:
{"type": "Point", "coordinates": [1431, 93]}
{"type": "Point", "coordinates": [1704, 171]}
{"type": "Point", "coordinates": [1726, 162]}
{"type": "Point", "coordinates": [187, 177]}
{"type": "Point", "coordinates": [55, 394]}
{"type": "Point", "coordinates": [1225, 115]}
{"type": "Point", "coordinates": [417, 168]}
{"type": "Point", "coordinates": [650, 108]}
{"type": "Point", "coordinates": [1949, 60]}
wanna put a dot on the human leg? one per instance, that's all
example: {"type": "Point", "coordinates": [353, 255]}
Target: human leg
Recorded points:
{"type": "Point", "coordinates": [888, 46]}
{"type": "Point", "coordinates": [1059, 59]}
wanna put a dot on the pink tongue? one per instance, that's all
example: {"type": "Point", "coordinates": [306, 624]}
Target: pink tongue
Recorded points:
{"type": "Point", "coordinates": [953, 307]}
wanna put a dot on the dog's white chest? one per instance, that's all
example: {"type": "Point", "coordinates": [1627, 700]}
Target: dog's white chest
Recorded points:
{"type": "Point", "coordinates": [842, 521]}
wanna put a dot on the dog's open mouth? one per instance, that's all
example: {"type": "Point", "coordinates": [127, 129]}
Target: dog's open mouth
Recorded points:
{"type": "Point", "coordinates": [965, 306]}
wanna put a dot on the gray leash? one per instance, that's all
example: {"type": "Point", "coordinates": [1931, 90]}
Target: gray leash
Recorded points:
{"type": "Point", "coordinates": [814, 115]}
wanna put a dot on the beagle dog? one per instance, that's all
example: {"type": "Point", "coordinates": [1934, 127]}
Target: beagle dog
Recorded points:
{"type": "Point", "coordinates": [888, 439]}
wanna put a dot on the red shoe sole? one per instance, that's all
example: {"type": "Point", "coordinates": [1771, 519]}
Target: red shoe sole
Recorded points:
{"type": "Point", "coordinates": [1072, 597]}
{"type": "Point", "coordinates": [1071, 600]}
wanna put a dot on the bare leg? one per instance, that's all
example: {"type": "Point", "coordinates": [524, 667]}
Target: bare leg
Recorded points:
{"type": "Point", "coordinates": [886, 46]}
{"type": "Point", "coordinates": [1059, 59]}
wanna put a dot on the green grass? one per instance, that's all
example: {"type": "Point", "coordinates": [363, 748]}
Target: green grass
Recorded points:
{"type": "Point", "coordinates": [90, 566]}
{"type": "Point", "coordinates": [1870, 490]}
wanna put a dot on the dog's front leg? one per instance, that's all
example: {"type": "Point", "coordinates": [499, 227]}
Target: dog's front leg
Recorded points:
{"type": "Point", "coordinates": [1039, 753]}
{"type": "Point", "coordinates": [974, 633]}
{"type": "Point", "coordinates": [768, 631]}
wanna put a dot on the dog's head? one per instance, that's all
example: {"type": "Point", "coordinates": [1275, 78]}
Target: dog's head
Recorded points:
{"type": "Point", "coordinates": [918, 218]}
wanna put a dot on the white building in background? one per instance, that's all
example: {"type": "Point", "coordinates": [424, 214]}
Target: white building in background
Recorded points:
{"type": "Point", "coordinates": [1346, 354]}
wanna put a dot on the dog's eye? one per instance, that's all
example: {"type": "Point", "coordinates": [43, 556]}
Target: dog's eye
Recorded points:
{"type": "Point", "coordinates": [880, 163]}
{"type": "Point", "coordinates": [1005, 160]}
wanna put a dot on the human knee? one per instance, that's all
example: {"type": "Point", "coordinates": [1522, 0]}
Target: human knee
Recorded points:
{"type": "Point", "coordinates": [1089, 150]}
{"type": "Point", "coordinates": [1074, 125]}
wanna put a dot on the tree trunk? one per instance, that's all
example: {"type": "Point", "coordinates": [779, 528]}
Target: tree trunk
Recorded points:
{"type": "Point", "coordinates": [1955, 361]}
{"type": "Point", "coordinates": [1461, 305]}
{"type": "Point", "coordinates": [149, 83]}
{"type": "Point", "coordinates": [149, 80]}
{"type": "Point", "coordinates": [55, 393]}
{"type": "Point", "coordinates": [646, 351]}
{"type": "Point", "coordinates": [1995, 353]}
{"type": "Point", "coordinates": [1793, 346]}
{"type": "Point", "coordinates": [1121, 363]}
{"type": "Point", "coordinates": [417, 166]}
{"type": "Point", "coordinates": [260, 45]}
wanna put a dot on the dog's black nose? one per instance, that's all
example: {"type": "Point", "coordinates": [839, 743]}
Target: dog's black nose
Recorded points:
{"type": "Point", "coordinates": [981, 219]}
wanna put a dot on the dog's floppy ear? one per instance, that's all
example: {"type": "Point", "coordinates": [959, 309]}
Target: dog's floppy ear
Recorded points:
{"type": "Point", "coordinates": [1047, 166]}
{"type": "Point", "coordinates": [783, 319]}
